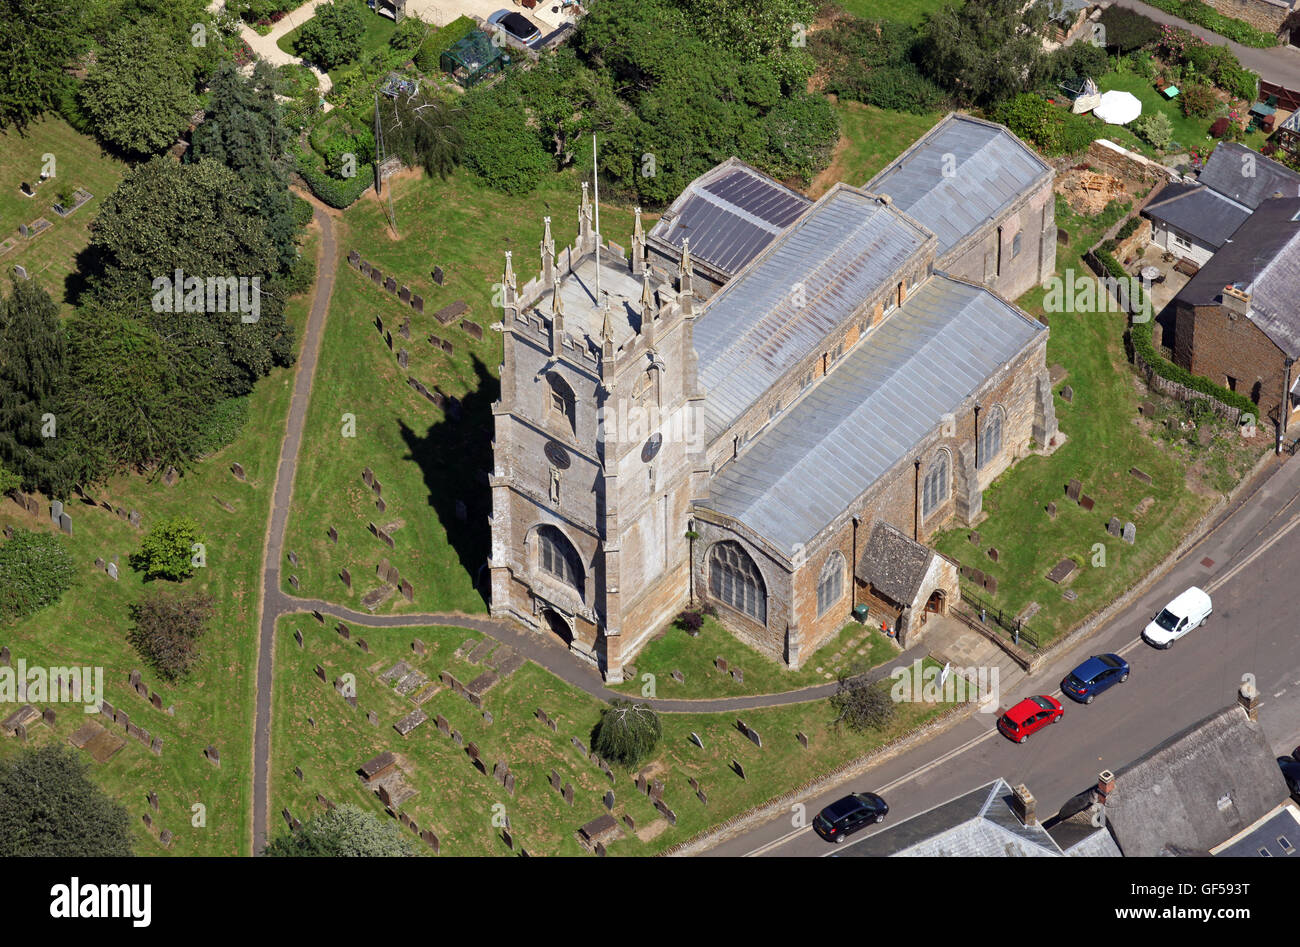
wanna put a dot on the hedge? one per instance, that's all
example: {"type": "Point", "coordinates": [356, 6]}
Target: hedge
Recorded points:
{"type": "Point", "coordinates": [1202, 14]}
{"type": "Point", "coordinates": [1140, 334]}
{"type": "Point", "coordinates": [1130, 227]}
{"type": "Point", "coordinates": [333, 191]}
{"type": "Point", "coordinates": [427, 59]}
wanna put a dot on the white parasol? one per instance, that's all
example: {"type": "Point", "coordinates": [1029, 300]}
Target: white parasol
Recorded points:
{"type": "Point", "coordinates": [1118, 108]}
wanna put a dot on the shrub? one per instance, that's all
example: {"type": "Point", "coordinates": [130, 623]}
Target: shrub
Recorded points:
{"type": "Point", "coordinates": [1130, 227]}
{"type": "Point", "coordinates": [1220, 127]}
{"type": "Point", "coordinates": [222, 425]}
{"type": "Point", "coordinates": [689, 620]}
{"type": "Point", "coordinates": [1155, 128]}
{"type": "Point", "coordinates": [1127, 30]}
{"type": "Point", "coordinates": [1140, 336]}
{"type": "Point", "coordinates": [439, 41]}
{"type": "Point", "coordinates": [332, 36]}
{"type": "Point", "coordinates": [35, 571]}
{"type": "Point", "coordinates": [166, 630]}
{"type": "Point", "coordinates": [627, 732]}
{"type": "Point", "coordinates": [166, 552]}
{"type": "Point", "coordinates": [860, 703]}
{"type": "Point", "coordinates": [499, 146]}
{"type": "Point", "coordinates": [346, 831]}
{"type": "Point", "coordinates": [1199, 100]}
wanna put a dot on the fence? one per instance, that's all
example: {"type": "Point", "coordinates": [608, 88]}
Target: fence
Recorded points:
{"type": "Point", "coordinates": [1021, 635]}
{"type": "Point", "coordinates": [1287, 99]}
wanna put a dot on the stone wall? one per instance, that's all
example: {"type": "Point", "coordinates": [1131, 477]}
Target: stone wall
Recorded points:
{"type": "Point", "coordinates": [1266, 15]}
{"type": "Point", "coordinates": [1106, 156]}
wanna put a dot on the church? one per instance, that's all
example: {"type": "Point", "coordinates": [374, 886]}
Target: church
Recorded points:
{"type": "Point", "coordinates": [774, 403]}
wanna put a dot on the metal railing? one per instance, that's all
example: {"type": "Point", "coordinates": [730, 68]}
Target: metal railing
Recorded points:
{"type": "Point", "coordinates": [989, 614]}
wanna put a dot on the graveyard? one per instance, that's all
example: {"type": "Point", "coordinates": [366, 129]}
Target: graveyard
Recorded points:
{"type": "Point", "coordinates": [1097, 397]}
{"type": "Point", "coordinates": [87, 627]}
{"type": "Point", "coordinates": [522, 752]}
{"type": "Point", "coordinates": [49, 254]}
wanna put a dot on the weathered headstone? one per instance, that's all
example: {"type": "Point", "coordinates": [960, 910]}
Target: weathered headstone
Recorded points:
{"type": "Point", "coordinates": [568, 793]}
{"type": "Point", "coordinates": [1051, 510]}
{"type": "Point", "coordinates": [1087, 502]}
{"type": "Point", "coordinates": [213, 756]}
{"type": "Point", "coordinates": [238, 471]}
{"type": "Point", "coordinates": [1114, 526]}
{"type": "Point", "coordinates": [1072, 490]}
{"type": "Point", "coordinates": [333, 535]}
{"type": "Point", "coordinates": [695, 738]}
{"type": "Point", "coordinates": [438, 275]}
{"type": "Point", "coordinates": [418, 647]}
{"type": "Point", "coordinates": [56, 510]}
{"type": "Point", "coordinates": [993, 553]}
{"type": "Point", "coordinates": [1130, 533]}
{"type": "Point", "coordinates": [65, 523]}
{"type": "Point", "coordinates": [344, 631]}
{"type": "Point", "coordinates": [609, 800]}
{"type": "Point", "coordinates": [346, 576]}
{"type": "Point", "coordinates": [417, 303]}
{"type": "Point", "coordinates": [802, 738]}
{"type": "Point", "coordinates": [1067, 394]}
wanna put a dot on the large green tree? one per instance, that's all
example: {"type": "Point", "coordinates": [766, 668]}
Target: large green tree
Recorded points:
{"type": "Point", "coordinates": [38, 38]}
{"type": "Point", "coordinates": [35, 571]}
{"type": "Point", "coordinates": [32, 373]}
{"type": "Point", "coordinates": [140, 92]}
{"type": "Point", "coordinates": [50, 808]}
{"type": "Point", "coordinates": [332, 36]}
{"type": "Point", "coordinates": [984, 52]}
{"type": "Point", "coordinates": [345, 831]}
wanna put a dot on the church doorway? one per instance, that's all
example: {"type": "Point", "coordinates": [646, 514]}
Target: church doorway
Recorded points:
{"type": "Point", "coordinates": [559, 627]}
{"type": "Point", "coordinates": [937, 602]}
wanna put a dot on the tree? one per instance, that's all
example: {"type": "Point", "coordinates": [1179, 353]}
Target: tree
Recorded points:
{"type": "Point", "coordinates": [627, 732]}
{"type": "Point", "coordinates": [345, 831]}
{"type": "Point", "coordinates": [33, 369]}
{"type": "Point", "coordinates": [140, 91]}
{"type": "Point", "coordinates": [50, 808]}
{"type": "Point", "coordinates": [769, 31]}
{"type": "Point", "coordinates": [9, 480]}
{"type": "Point", "coordinates": [1155, 128]}
{"type": "Point", "coordinates": [35, 571]}
{"type": "Point", "coordinates": [1127, 30]}
{"type": "Point", "coordinates": [167, 550]}
{"type": "Point", "coordinates": [166, 630]}
{"type": "Point", "coordinates": [38, 38]}
{"type": "Point", "coordinates": [985, 52]}
{"type": "Point", "coordinates": [333, 36]}
{"type": "Point", "coordinates": [501, 149]}
{"type": "Point", "coordinates": [860, 703]}
{"type": "Point", "coordinates": [422, 131]}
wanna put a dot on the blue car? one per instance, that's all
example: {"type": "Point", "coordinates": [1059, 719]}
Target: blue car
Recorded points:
{"type": "Point", "coordinates": [1098, 673]}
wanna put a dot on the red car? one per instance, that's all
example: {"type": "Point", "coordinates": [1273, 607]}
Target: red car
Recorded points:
{"type": "Point", "coordinates": [1029, 716]}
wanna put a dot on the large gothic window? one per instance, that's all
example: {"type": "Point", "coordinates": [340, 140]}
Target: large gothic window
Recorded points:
{"type": "Point", "coordinates": [556, 556]}
{"type": "Point", "coordinates": [560, 403]}
{"type": "Point", "coordinates": [830, 587]}
{"type": "Point", "coordinates": [991, 435]}
{"type": "Point", "coordinates": [735, 580]}
{"type": "Point", "coordinates": [936, 484]}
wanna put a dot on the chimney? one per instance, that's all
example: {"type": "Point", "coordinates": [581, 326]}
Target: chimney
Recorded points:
{"type": "Point", "coordinates": [1248, 697]}
{"type": "Point", "coordinates": [885, 199]}
{"type": "Point", "coordinates": [1236, 300]}
{"type": "Point", "coordinates": [1024, 806]}
{"type": "Point", "coordinates": [1105, 786]}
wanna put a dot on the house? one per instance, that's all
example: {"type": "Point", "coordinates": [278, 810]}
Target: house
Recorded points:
{"type": "Point", "coordinates": [1210, 783]}
{"type": "Point", "coordinates": [1237, 321]}
{"type": "Point", "coordinates": [740, 429]}
{"type": "Point", "coordinates": [1276, 834]}
{"type": "Point", "coordinates": [1247, 177]}
{"type": "Point", "coordinates": [992, 821]}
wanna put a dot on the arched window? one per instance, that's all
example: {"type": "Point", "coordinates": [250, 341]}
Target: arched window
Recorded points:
{"type": "Point", "coordinates": [556, 556]}
{"type": "Point", "coordinates": [936, 484]}
{"type": "Point", "coordinates": [736, 581]}
{"type": "Point", "coordinates": [991, 435]}
{"type": "Point", "coordinates": [560, 402]}
{"type": "Point", "coordinates": [830, 587]}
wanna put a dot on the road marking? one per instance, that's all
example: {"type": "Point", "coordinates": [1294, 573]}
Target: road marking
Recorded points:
{"type": "Point", "coordinates": [1275, 538]}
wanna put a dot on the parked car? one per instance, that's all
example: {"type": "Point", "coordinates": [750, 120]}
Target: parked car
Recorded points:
{"type": "Point", "coordinates": [1290, 772]}
{"type": "Point", "coordinates": [842, 818]}
{"type": "Point", "coordinates": [1189, 610]}
{"type": "Point", "coordinates": [516, 25]}
{"type": "Point", "coordinates": [1099, 673]}
{"type": "Point", "coordinates": [1029, 716]}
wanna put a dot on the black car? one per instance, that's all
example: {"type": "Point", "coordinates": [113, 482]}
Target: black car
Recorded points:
{"type": "Point", "coordinates": [1290, 772]}
{"type": "Point", "coordinates": [841, 819]}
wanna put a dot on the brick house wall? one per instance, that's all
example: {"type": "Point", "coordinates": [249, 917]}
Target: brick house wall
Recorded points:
{"type": "Point", "coordinates": [1230, 350]}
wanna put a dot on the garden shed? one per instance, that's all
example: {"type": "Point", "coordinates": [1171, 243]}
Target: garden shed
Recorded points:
{"type": "Point", "coordinates": [474, 59]}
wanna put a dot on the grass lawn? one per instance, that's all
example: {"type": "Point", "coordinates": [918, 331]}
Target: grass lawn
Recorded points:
{"type": "Point", "coordinates": [379, 30]}
{"type": "Point", "coordinates": [88, 626]}
{"type": "Point", "coordinates": [870, 138]}
{"type": "Point", "coordinates": [902, 11]}
{"type": "Point", "coordinates": [426, 462]}
{"type": "Point", "coordinates": [457, 802]}
{"type": "Point", "coordinates": [1106, 438]}
{"type": "Point", "coordinates": [675, 650]}
{"type": "Point", "coordinates": [79, 161]}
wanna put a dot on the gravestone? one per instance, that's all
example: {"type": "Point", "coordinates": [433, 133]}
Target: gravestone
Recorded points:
{"type": "Point", "coordinates": [320, 672]}
{"type": "Point", "coordinates": [443, 726]}
{"type": "Point", "coordinates": [134, 518]}
{"type": "Point", "coordinates": [720, 663]}
{"type": "Point", "coordinates": [679, 677]}
{"type": "Point", "coordinates": [1146, 409]}
{"type": "Point", "coordinates": [405, 296]}
{"type": "Point", "coordinates": [472, 329]}
{"type": "Point", "coordinates": [297, 636]}
{"type": "Point", "coordinates": [1114, 526]}
{"type": "Point", "coordinates": [1144, 477]}
{"type": "Point", "coordinates": [695, 738]}
{"type": "Point", "coordinates": [56, 510]}
{"type": "Point", "coordinates": [568, 793]}
{"type": "Point", "coordinates": [990, 585]}
{"type": "Point", "coordinates": [48, 716]}
{"type": "Point", "coordinates": [1072, 491]}
{"type": "Point", "coordinates": [974, 537]}
{"type": "Point", "coordinates": [293, 580]}
{"type": "Point", "coordinates": [737, 768]}
{"type": "Point", "coordinates": [1130, 533]}
{"type": "Point", "coordinates": [1087, 502]}
{"type": "Point", "coordinates": [499, 771]}
{"type": "Point", "coordinates": [993, 553]}
{"type": "Point", "coordinates": [1051, 510]}
{"type": "Point", "coordinates": [630, 823]}
{"type": "Point", "coordinates": [153, 800]}
{"type": "Point", "coordinates": [802, 738]}
{"type": "Point", "coordinates": [293, 558]}
{"type": "Point", "coordinates": [390, 284]}
{"type": "Point", "coordinates": [609, 800]}
{"type": "Point", "coordinates": [171, 476]}
{"type": "Point", "coordinates": [1062, 571]}
{"type": "Point", "coordinates": [333, 535]}
{"type": "Point", "coordinates": [156, 700]}
{"type": "Point", "coordinates": [408, 592]}
{"type": "Point", "coordinates": [438, 275]}
{"type": "Point", "coordinates": [417, 303]}
{"type": "Point", "coordinates": [656, 790]}
{"type": "Point", "coordinates": [346, 576]}
{"type": "Point", "coordinates": [361, 643]}
{"type": "Point", "coordinates": [354, 258]}
{"type": "Point", "coordinates": [344, 631]}
{"type": "Point", "coordinates": [509, 783]}
{"type": "Point", "coordinates": [457, 738]}
{"type": "Point", "coordinates": [377, 276]}
{"type": "Point", "coordinates": [555, 780]}
{"type": "Point", "coordinates": [373, 718]}
{"type": "Point", "coordinates": [738, 675]}
{"type": "Point", "coordinates": [65, 523]}
{"type": "Point", "coordinates": [238, 471]}
{"type": "Point", "coordinates": [402, 358]}
{"type": "Point", "coordinates": [1067, 394]}
{"type": "Point", "coordinates": [418, 647]}
{"type": "Point", "coordinates": [213, 756]}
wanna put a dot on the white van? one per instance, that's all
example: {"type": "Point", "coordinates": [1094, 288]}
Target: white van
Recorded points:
{"type": "Point", "coordinates": [1176, 619]}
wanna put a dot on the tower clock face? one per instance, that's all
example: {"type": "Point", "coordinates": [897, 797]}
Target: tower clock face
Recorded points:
{"type": "Point", "coordinates": [651, 447]}
{"type": "Point", "coordinates": [557, 455]}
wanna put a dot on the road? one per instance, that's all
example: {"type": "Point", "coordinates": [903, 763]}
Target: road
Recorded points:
{"type": "Point", "coordinates": [1280, 64]}
{"type": "Point", "coordinates": [1254, 554]}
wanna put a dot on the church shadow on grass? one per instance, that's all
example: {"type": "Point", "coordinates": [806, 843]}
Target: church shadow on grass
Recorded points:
{"type": "Point", "coordinates": [455, 455]}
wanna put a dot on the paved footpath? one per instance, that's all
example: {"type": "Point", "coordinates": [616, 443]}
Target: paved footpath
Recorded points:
{"type": "Point", "coordinates": [1280, 64]}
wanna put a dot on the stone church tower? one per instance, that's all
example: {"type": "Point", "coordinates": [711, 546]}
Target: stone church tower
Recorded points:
{"type": "Point", "coordinates": [599, 447]}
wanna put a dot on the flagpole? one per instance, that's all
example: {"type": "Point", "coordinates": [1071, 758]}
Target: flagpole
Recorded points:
{"type": "Point", "coordinates": [595, 174]}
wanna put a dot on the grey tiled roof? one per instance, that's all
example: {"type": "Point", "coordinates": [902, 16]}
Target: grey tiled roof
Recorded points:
{"type": "Point", "coordinates": [1197, 789]}
{"type": "Point", "coordinates": [893, 563]}
{"type": "Point", "coordinates": [977, 824]}
{"type": "Point", "coordinates": [1275, 296]}
{"type": "Point", "coordinates": [990, 169]}
{"type": "Point", "coordinates": [885, 396]}
{"type": "Point", "coordinates": [1246, 176]}
{"type": "Point", "coordinates": [1267, 835]}
{"type": "Point", "coordinates": [1199, 211]}
{"type": "Point", "coordinates": [841, 251]}
{"type": "Point", "coordinates": [730, 214]}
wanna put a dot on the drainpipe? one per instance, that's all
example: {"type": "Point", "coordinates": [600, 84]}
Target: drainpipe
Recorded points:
{"type": "Point", "coordinates": [916, 502]}
{"type": "Point", "coordinates": [977, 440]}
{"type": "Point", "coordinates": [1286, 403]}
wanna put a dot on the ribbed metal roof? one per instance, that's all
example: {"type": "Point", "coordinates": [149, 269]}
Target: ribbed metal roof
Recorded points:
{"type": "Point", "coordinates": [730, 214]}
{"type": "Point", "coordinates": [840, 252]}
{"type": "Point", "coordinates": [958, 176]}
{"type": "Point", "coordinates": [886, 395]}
